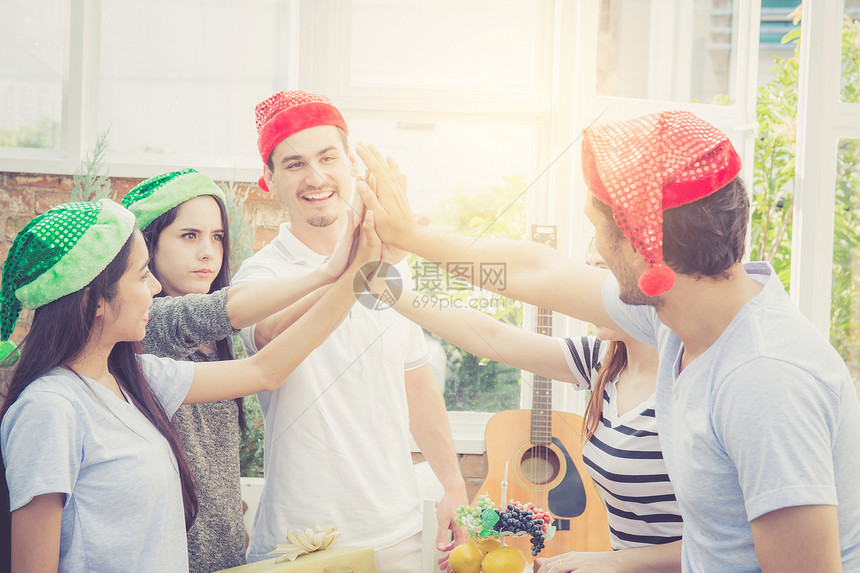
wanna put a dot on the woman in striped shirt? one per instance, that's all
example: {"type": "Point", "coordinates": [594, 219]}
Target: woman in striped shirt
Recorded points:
{"type": "Point", "coordinates": [622, 451]}
{"type": "Point", "coordinates": [622, 454]}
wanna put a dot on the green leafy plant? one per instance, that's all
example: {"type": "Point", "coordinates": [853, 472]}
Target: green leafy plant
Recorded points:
{"type": "Point", "coordinates": [773, 178]}
{"type": "Point", "coordinates": [91, 181]}
{"type": "Point", "coordinates": [845, 290]}
{"type": "Point", "coordinates": [251, 441]}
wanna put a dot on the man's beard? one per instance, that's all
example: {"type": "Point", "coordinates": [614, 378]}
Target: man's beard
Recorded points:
{"type": "Point", "coordinates": [630, 293]}
{"type": "Point", "coordinates": [628, 286]}
{"type": "Point", "coordinates": [322, 220]}
{"type": "Point", "coordinates": [637, 297]}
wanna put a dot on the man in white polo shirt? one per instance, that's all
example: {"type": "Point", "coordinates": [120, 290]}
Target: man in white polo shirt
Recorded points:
{"type": "Point", "coordinates": [337, 432]}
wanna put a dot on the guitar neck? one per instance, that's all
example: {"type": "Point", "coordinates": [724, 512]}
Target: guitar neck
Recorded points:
{"type": "Point", "coordinates": [541, 427]}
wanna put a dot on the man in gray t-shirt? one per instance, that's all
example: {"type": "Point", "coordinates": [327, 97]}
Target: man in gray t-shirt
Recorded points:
{"type": "Point", "coordinates": [758, 418]}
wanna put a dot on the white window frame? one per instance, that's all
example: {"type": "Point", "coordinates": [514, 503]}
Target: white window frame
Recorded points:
{"type": "Point", "coordinates": [567, 64]}
{"type": "Point", "coordinates": [823, 119]}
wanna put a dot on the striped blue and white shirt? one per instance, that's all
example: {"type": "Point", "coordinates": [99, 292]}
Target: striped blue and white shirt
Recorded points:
{"type": "Point", "coordinates": [624, 459]}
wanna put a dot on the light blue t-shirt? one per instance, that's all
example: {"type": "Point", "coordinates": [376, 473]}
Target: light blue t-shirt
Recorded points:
{"type": "Point", "coordinates": [123, 509]}
{"type": "Point", "coordinates": [766, 418]}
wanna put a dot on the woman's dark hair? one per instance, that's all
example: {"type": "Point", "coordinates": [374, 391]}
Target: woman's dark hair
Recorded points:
{"type": "Point", "coordinates": [152, 234]}
{"type": "Point", "coordinates": [64, 326]}
{"type": "Point", "coordinates": [613, 363]}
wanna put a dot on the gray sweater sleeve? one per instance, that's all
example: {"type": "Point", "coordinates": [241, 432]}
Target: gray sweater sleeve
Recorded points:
{"type": "Point", "coordinates": [178, 326]}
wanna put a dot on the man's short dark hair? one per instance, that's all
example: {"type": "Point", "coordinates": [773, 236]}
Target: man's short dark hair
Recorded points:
{"type": "Point", "coordinates": [707, 237]}
{"type": "Point", "coordinates": [704, 238]}
{"type": "Point", "coordinates": [343, 140]}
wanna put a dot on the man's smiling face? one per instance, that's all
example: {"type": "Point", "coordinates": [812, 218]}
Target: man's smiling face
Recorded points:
{"type": "Point", "coordinates": [312, 175]}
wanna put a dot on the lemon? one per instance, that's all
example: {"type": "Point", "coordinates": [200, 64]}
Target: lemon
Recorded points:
{"type": "Point", "coordinates": [488, 544]}
{"type": "Point", "coordinates": [505, 559]}
{"type": "Point", "coordinates": [465, 558]}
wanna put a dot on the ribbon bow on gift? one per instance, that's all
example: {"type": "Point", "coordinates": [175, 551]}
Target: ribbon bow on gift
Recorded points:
{"type": "Point", "coordinates": [303, 541]}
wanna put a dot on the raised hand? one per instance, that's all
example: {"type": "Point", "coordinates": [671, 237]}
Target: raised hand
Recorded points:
{"type": "Point", "coordinates": [384, 192]}
{"type": "Point", "coordinates": [369, 244]}
{"type": "Point", "coordinates": [347, 244]}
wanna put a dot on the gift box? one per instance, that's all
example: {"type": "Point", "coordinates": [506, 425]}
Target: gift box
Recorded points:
{"type": "Point", "coordinates": [359, 558]}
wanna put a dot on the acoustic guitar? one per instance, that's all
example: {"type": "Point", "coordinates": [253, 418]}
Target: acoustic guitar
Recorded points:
{"type": "Point", "coordinates": [543, 451]}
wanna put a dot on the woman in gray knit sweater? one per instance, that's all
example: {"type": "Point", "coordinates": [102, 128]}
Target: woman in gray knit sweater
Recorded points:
{"type": "Point", "coordinates": [184, 221]}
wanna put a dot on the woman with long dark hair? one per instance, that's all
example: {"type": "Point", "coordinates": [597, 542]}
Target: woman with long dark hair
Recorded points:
{"type": "Point", "coordinates": [96, 476]}
{"type": "Point", "coordinates": [184, 221]}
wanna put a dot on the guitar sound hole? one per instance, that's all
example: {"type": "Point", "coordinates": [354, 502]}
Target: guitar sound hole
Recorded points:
{"type": "Point", "coordinates": [540, 465]}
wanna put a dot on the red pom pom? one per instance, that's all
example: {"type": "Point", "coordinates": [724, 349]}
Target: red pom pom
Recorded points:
{"type": "Point", "coordinates": [657, 280]}
{"type": "Point", "coordinates": [261, 183]}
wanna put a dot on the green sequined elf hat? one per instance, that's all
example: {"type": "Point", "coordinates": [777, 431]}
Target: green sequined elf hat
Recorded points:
{"type": "Point", "coordinates": [150, 199]}
{"type": "Point", "coordinates": [57, 253]}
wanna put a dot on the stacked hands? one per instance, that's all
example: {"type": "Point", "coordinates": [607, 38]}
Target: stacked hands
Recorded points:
{"type": "Point", "coordinates": [379, 208]}
{"type": "Point", "coordinates": [383, 192]}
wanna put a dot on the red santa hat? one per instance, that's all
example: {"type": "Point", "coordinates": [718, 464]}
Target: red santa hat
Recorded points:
{"type": "Point", "coordinates": [286, 113]}
{"type": "Point", "coordinates": [643, 166]}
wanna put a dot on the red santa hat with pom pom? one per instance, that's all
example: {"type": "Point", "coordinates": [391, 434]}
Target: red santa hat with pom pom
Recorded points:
{"type": "Point", "coordinates": [286, 113]}
{"type": "Point", "coordinates": [643, 166]}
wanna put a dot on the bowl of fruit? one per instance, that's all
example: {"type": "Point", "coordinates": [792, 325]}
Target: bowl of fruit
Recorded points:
{"type": "Point", "coordinates": [488, 527]}
{"type": "Point", "coordinates": [486, 521]}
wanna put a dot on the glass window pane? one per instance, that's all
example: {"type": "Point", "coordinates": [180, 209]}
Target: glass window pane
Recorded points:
{"type": "Point", "coordinates": [442, 157]}
{"type": "Point", "coordinates": [32, 59]}
{"type": "Point", "coordinates": [850, 89]}
{"type": "Point", "coordinates": [486, 45]}
{"type": "Point", "coordinates": [469, 178]}
{"type": "Point", "coordinates": [671, 50]}
{"type": "Point", "coordinates": [775, 37]}
{"type": "Point", "coordinates": [777, 20]}
{"type": "Point", "coordinates": [182, 78]}
{"type": "Point", "coordinates": [845, 294]}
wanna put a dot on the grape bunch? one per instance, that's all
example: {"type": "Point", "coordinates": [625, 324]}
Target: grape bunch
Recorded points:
{"type": "Point", "coordinates": [484, 502]}
{"type": "Point", "coordinates": [469, 516]}
{"type": "Point", "coordinates": [525, 517]}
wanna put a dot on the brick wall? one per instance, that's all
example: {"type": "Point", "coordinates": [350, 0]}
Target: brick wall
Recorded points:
{"type": "Point", "coordinates": [25, 195]}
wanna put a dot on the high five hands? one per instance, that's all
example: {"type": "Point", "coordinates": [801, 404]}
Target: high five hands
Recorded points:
{"type": "Point", "coordinates": [384, 193]}
{"type": "Point", "coordinates": [360, 220]}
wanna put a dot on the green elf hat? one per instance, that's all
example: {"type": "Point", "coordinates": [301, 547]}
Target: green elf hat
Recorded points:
{"type": "Point", "coordinates": [57, 253]}
{"type": "Point", "coordinates": [150, 199]}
